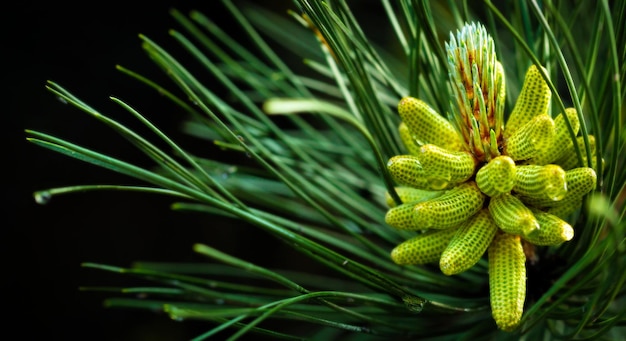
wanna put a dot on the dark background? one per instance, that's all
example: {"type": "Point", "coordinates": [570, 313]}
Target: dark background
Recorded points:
{"type": "Point", "coordinates": [43, 246]}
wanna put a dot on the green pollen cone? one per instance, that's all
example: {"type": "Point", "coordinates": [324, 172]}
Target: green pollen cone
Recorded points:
{"type": "Point", "coordinates": [497, 176]}
{"type": "Point", "coordinates": [533, 100]}
{"type": "Point", "coordinates": [444, 167]}
{"type": "Point", "coordinates": [507, 280]}
{"type": "Point", "coordinates": [411, 195]}
{"type": "Point", "coordinates": [469, 244]}
{"type": "Point", "coordinates": [401, 217]}
{"type": "Point", "coordinates": [553, 231]}
{"type": "Point", "coordinates": [533, 137]}
{"type": "Point", "coordinates": [427, 126]}
{"type": "Point", "coordinates": [580, 181]}
{"type": "Point", "coordinates": [407, 170]}
{"type": "Point", "coordinates": [562, 139]}
{"type": "Point", "coordinates": [540, 183]}
{"type": "Point", "coordinates": [512, 216]}
{"type": "Point", "coordinates": [422, 249]}
{"type": "Point", "coordinates": [450, 209]}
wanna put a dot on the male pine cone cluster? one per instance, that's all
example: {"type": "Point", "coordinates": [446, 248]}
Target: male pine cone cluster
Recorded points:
{"type": "Point", "coordinates": [474, 184]}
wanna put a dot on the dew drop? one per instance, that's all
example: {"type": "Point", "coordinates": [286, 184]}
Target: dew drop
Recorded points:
{"type": "Point", "coordinates": [228, 171]}
{"type": "Point", "coordinates": [413, 303]}
{"type": "Point", "coordinates": [243, 141]}
{"type": "Point", "coordinates": [504, 176]}
{"type": "Point", "coordinates": [529, 225]}
{"type": "Point", "coordinates": [422, 215]}
{"type": "Point", "coordinates": [62, 100]}
{"type": "Point", "coordinates": [350, 225]}
{"type": "Point", "coordinates": [556, 186]}
{"type": "Point", "coordinates": [219, 301]}
{"type": "Point", "coordinates": [438, 183]}
{"type": "Point", "coordinates": [567, 233]}
{"type": "Point", "coordinates": [42, 197]}
{"type": "Point", "coordinates": [276, 76]}
{"type": "Point", "coordinates": [556, 193]}
{"type": "Point", "coordinates": [418, 141]}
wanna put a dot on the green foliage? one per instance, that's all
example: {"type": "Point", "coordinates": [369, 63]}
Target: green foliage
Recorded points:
{"type": "Point", "coordinates": [317, 181]}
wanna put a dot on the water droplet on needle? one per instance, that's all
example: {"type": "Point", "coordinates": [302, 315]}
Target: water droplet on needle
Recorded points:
{"type": "Point", "coordinates": [42, 197]}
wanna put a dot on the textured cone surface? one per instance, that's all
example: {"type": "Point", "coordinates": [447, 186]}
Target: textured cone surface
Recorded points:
{"type": "Point", "coordinates": [540, 183]}
{"type": "Point", "coordinates": [401, 217]}
{"type": "Point", "coordinates": [407, 170]}
{"type": "Point", "coordinates": [533, 100]}
{"type": "Point", "coordinates": [469, 244]}
{"type": "Point", "coordinates": [507, 280]}
{"type": "Point", "coordinates": [531, 139]}
{"type": "Point", "coordinates": [497, 176]}
{"type": "Point", "coordinates": [411, 195]}
{"type": "Point", "coordinates": [552, 231]}
{"type": "Point", "coordinates": [427, 125]}
{"type": "Point", "coordinates": [511, 215]}
{"type": "Point", "coordinates": [422, 249]}
{"type": "Point", "coordinates": [562, 139]}
{"type": "Point", "coordinates": [580, 181]}
{"type": "Point", "coordinates": [444, 166]}
{"type": "Point", "coordinates": [407, 139]}
{"type": "Point", "coordinates": [450, 209]}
